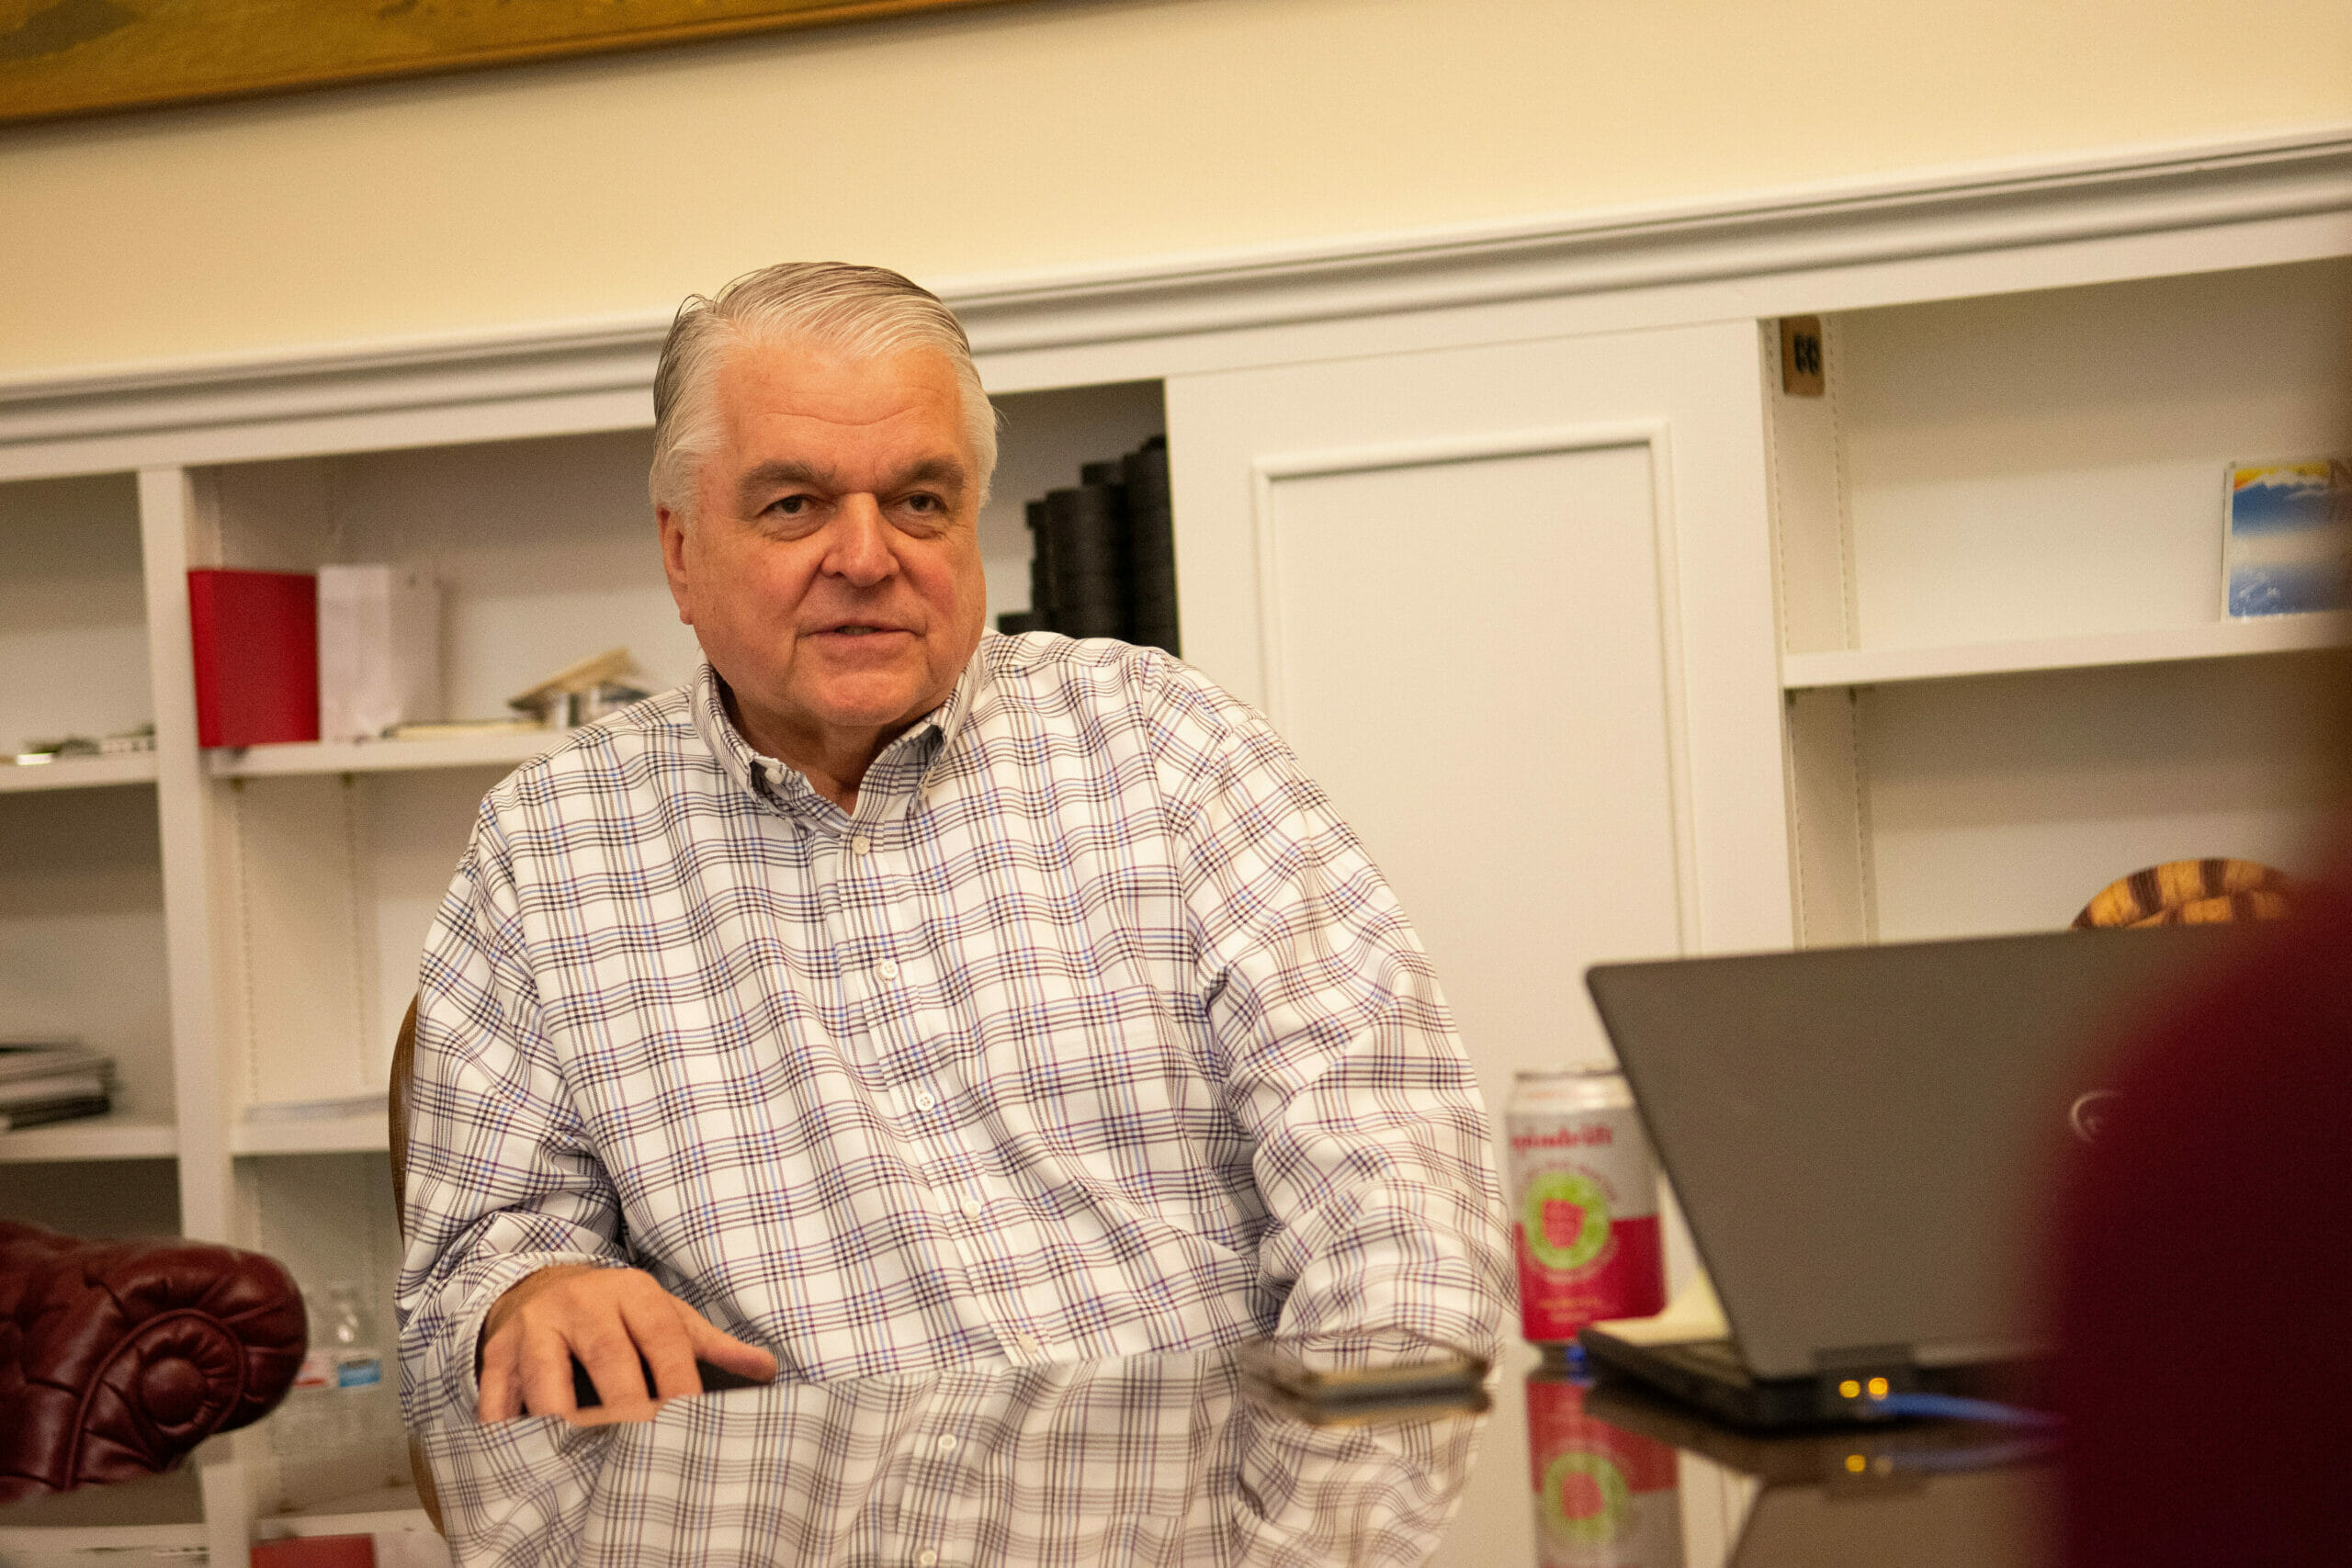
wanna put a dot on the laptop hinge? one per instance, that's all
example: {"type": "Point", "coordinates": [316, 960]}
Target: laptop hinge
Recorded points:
{"type": "Point", "coordinates": [1853, 1383]}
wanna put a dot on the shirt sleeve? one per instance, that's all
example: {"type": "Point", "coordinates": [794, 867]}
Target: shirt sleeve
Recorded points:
{"type": "Point", "coordinates": [501, 1179]}
{"type": "Point", "coordinates": [1371, 1147]}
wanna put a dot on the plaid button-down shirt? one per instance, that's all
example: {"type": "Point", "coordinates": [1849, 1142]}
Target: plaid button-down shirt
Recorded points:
{"type": "Point", "coordinates": [1091, 1032]}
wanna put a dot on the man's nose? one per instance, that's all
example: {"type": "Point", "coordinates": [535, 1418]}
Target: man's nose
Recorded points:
{"type": "Point", "coordinates": [861, 543]}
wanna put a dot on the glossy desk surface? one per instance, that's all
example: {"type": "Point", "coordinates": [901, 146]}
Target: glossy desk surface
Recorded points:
{"type": "Point", "coordinates": [1170, 1458]}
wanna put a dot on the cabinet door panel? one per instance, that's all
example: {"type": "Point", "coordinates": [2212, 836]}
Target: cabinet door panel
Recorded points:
{"type": "Point", "coordinates": [1466, 655]}
{"type": "Point", "coordinates": [1512, 606]}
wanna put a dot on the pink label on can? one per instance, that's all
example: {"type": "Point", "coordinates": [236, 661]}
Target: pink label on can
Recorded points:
{"type": "Point", "coordinates": [1626, 1279]}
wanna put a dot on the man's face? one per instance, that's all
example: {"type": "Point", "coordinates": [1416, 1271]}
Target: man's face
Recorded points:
{"type": "Point", "coordinates": [833, 570]}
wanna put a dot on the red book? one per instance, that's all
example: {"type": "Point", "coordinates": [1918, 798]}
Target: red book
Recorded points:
{"type": "Point", "coordinates": [256, 635]}
{"type": "Point", "coordinates": [316, 1552]}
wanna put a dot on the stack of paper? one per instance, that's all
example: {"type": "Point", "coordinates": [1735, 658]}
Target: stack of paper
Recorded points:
{"type": "Point", "coordinates": [379, 649]}
{"type": "Point", "coordinates": [42, 1081]}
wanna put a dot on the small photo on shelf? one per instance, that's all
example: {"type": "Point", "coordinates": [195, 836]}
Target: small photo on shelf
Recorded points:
{"type": "Point", "coordinates": [2287, 546]}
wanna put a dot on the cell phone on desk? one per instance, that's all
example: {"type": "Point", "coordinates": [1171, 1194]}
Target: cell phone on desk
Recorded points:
{"type": "Point", "coordinates": [1440, 1381]}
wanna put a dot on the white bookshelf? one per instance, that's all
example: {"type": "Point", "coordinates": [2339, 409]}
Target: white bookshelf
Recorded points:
{"type": "Point", "coordinates": [361, 1132]}
{"type": "Point", "coordinates": [83, 947]}
{"type": "Point", "coordinates": [503, 748]}
{"type": "Point", "coordinates": [79, 772]}
{"type": "Point", "coordinates": [114, 1136]}
{"type": "Point", "coordinates": [404, 1537]}
{"type": "Point", "coordinates": [2162, 645]}
{"type": "Point", "coordinates": [2009, 679]}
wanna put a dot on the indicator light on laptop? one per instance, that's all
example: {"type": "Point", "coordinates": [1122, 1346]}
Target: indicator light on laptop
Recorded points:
{"type": "Point", "coordinates": [1850, 1389]}
{"type": "Point", "coordinates": [1856, 1464]}
{"type": "Point", "coordinates": [1878, 1388]}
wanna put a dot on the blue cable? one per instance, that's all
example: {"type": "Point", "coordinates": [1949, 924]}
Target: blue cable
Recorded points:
{"type": "Point", "coordinates": [1952, 1408]}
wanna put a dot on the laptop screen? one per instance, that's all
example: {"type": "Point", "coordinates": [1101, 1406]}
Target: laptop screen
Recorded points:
{"type": "Point", "coordinates": [1863, 1138]}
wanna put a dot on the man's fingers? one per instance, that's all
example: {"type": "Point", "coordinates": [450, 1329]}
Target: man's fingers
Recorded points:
{"type": "Point", "coordinates": [609, 1350]}
{"type": "Point", "coordinates": [725, 1350]}
{"type": "Point", "coordinates": [545, 1358]}
{"type": "Point", "coordinates": [608, 1319]}
{"type": "Point", "coordinates": [664, 1344]}
{"type": "Point", "coordinates": [500, 1398]}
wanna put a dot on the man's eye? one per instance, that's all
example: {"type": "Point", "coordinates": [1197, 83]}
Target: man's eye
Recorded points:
{"type": "Point", "coordinates": [789, 505]}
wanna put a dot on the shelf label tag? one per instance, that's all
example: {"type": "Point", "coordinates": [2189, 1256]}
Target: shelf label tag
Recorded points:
{"type": "Point", "coordinates": [1801, 375]}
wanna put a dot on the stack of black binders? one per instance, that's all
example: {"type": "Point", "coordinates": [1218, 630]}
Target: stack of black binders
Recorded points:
{"type": "Point", "coordinates": [1104, 559]}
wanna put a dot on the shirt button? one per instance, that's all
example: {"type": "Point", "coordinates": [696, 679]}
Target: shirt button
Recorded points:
{"type": "Point", "coordinates": [858, 846]}
{"type": "Point", "coordinates": [887, 969]}
{"type": "Point", "coordinates": [926, 1558]}
{"type": "Point", "coordinates": [924, 1102]}
{"type": "Point", "coordinates": [971, 1208]}
{"type": "Point", "coordinates": [947, 1442]}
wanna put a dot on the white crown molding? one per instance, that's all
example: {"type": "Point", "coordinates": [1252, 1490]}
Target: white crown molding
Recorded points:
{"type": "Point", "coordinates": [1932, 213]}
{"type": "Point", "coordinates": [1941, 213]}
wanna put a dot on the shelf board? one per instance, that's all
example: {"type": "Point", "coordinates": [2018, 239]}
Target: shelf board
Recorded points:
{"type": "Point", "coordinates": [99, 1543]}
{"type": "Point", "coordinates": [147, 1511]}
{"type": "Point", "coordinates": [361, 1134]}
{"type": "Point", "coordinates": [509, 747]}
{"type": "Point", "coordinates": [94, 1137]}
{"type": "Point", "coordinates": [81, 772]}
{"type": "Point", "coordinates": [385, 1511]}
{"type": "Point", "coordinates": [2215, 640]}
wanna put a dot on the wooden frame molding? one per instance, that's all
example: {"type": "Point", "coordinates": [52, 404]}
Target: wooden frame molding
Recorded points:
{"type": "Point", "coordinates": [102, 60]}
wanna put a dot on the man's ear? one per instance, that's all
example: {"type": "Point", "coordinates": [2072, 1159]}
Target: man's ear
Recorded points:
{"type": "Point", "coordinates": [673, 532]}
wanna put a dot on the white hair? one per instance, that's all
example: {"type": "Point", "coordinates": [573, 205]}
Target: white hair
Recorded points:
{"type": "Point", "coordinates": [864, 312]}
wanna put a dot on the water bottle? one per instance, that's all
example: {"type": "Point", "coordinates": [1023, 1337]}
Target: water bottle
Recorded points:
{"type": "Point", "coordinates": [339, 1430]}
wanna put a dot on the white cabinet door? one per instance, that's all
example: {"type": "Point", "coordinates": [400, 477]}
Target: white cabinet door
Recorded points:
{"type": "Point", "coordinates": [1512, 605]}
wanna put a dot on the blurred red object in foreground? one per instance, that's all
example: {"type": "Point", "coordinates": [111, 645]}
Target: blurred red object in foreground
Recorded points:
{"type": "Point", "coordinates": [2205, 1273]}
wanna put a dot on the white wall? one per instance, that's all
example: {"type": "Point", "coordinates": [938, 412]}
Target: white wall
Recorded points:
{"type": "Point", "coordinates": [1054, 132]}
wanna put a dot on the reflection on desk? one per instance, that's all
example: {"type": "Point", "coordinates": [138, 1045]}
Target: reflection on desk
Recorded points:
{"type": "Point", "coordinates": [1910, 1495]}
{"type": "Point", "coordinates": [1149, 1460]}
{"type": "Point", "coordinates": [1166, 1460]}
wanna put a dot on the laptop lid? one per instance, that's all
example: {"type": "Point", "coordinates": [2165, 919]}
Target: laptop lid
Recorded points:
{"type": "Point", "coordinates": [1861, 1137]}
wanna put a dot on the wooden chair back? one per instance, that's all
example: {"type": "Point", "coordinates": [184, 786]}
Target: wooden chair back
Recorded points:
{"type": "Point", "coordinates": [397, 1105]}
{"type": "Point", "coordinates": [403, 1073]}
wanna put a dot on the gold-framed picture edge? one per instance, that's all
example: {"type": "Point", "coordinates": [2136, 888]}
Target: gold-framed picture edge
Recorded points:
{"type": "Point", "coordinates": [64, 59]}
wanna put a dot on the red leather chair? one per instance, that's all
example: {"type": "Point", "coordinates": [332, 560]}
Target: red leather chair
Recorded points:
{"type": "Point", "coordinates": [116, 1357]}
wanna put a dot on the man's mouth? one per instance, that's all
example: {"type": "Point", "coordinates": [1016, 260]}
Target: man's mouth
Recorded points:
{"type": "Point", "coordinates": [858, 629]}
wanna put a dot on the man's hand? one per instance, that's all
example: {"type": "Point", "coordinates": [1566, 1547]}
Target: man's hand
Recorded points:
{"type": "Point", "coordinates": [607, 1317]}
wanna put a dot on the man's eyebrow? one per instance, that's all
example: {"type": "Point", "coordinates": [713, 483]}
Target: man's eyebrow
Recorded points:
{"type": "Point", "coordinates": [765, 477]}
{"type": "Point", "coordinates": [932, 471]}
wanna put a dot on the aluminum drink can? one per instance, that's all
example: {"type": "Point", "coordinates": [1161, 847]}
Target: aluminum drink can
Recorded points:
{"type": "Point", "coordinates": [1605, 1497]}
{"type": "Point", "coordinates": [1584, 1203]}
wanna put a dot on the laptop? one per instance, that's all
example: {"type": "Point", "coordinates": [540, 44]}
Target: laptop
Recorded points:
{"type": "Point", "coordinates": [1862, 1141]}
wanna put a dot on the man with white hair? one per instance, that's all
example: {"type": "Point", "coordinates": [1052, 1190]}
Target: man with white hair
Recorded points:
{"type": "Point", "coordinates": [898, 996]}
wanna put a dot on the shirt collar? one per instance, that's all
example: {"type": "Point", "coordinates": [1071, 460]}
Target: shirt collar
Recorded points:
{"type": "Point", "coordinates": [898, 772]}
